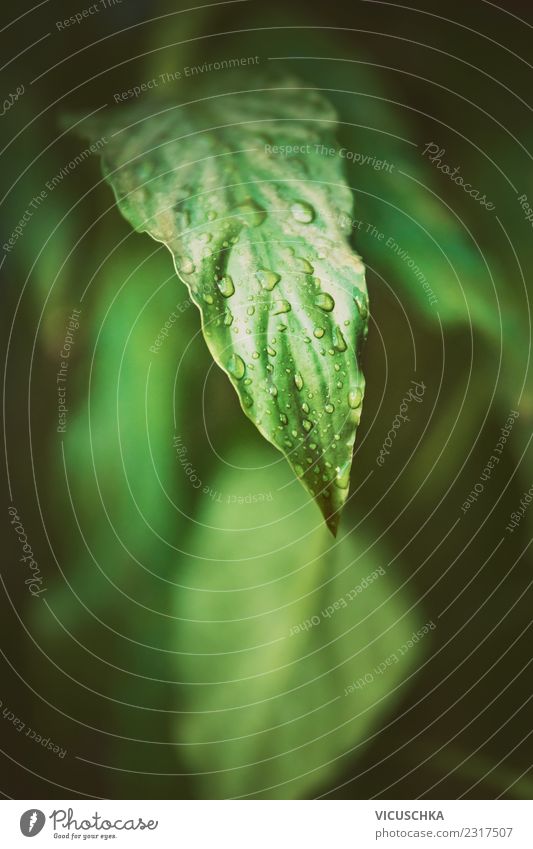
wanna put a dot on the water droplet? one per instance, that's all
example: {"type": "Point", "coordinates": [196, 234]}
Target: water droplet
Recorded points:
{"type": "Point", "coordinates": [256, 355]}
{"type": "Point", "coordinates": [338, 340]}
{"type": "Point", "coordinates": [208, 298]}
{"type": "Point", "coordinates": [187, 266]}
{"type": "Point", "coordinates": [354, 398]}
{"type": "Point", "coordinates": [342, 478]}
{"type": "Point", "coordinates": [273, 391]}
{"type": "Point", "coordinates": [283, 419]}
{"type": "Point", "coordinates": [299, 470]}
{"type": "Point", "coordinates": [360, 302]}
{"type": "Point", "coordinates": [319, 332]}
{"type": "Point", "coordinates": [250, 213]}
{"type": "Point", "coordinates": [304, 265]}
{"type": "Point", "coordinates": [270, 351]}
{"type": "Point", "coordinates": [236, 366]}
{"type": "Point", "coordinates": [211, 215]}
{"type": "Point", "coordinates": [228, 318]}
{"type": "Point", "coordinates": [302, 212]}
{"type": "Point", "coordinates": [226, 287]}
{"type": "Point", "coordinates": [268, 279]}
{"type": "Point", "coordinates": [247, 400]}
{"type": "Point", "coordinates": [281, 307]}
{"type": "Point", "coordinates": [329, 408]}
{"type": "Point", "coordinates": [282, 327]}
{"type": "Point", "coordinates": [324, 301]}
{"type": "Point", "coordinates": [298, 381]}
{"type": "Point", "coordinates": [307, 425]}
{"type": "Point", "coordinates": [250, 310]}
{"type": "Point", "coordinates": [305, 407]}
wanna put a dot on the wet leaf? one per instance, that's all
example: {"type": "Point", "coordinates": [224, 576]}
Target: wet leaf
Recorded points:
{"type": "Point", "coordinates": [256, 233]}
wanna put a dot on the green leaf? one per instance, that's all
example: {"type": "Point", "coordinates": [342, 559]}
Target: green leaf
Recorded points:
{"type": "Point", "coordinates": [274, 639]}
{"type": "Point", "coordinates": [256, 233]}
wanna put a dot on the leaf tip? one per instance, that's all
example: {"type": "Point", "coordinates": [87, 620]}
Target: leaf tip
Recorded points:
{"type": "Point", "coordinates": [332, 523]}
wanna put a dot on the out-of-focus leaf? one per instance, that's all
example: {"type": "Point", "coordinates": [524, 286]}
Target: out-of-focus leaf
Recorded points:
{"type": "Point", "coordinates": [442, 253]}
{"type": "Point", "coordinates": [243, 192]}
{"type": "Point", "coordinates": [478, 768]}
{"type": "Point", "coordinates": [273, 638]}
{"type": "Point", "coordinates": [116, 453]}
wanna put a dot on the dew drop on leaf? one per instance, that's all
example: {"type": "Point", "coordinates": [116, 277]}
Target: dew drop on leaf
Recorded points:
{"type": "Point", "coordinates": [250, 213]}
{"type": "Point", "coordinates": [338, 340]}
{"type": "Point", "coordinates": [342, 478]}
{"type": "Point", "coordinates": [302, 212]}
{"type": "Point", "coordinates": [324, 301]}
{"type": "Point", "coordinates": [304, 265]}
{"type": "Point", "coordinates": [354, 398]}
{"type": "Point", "coordinates": [236, 367]}
{"type": "Point", "coordinates": [281, 307]}
{"type": "Point", "coordinates": [226, 287]}
{"type": "Point", "coordinates": [361, 305]}
{"type": "Point", "coordinates": [187, 266]}
{"type": "Point", "coordinates": [247, 400]}
{"type": "Point", "coordinates": [268, 279]}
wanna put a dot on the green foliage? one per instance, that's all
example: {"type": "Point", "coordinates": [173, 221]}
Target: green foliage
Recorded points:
{"type": "Point", "coordinates": [172, 650]}
{"type": "Point", "coordinates": [450, 260]}
{"type": "Point", "coordinates": [258, 233]}
{"type": "Point", "coordinates": [276, 639]}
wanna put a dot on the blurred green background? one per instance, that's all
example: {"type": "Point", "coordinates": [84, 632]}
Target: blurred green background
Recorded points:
{"type": "Point", "coordinates": [165, 658]}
